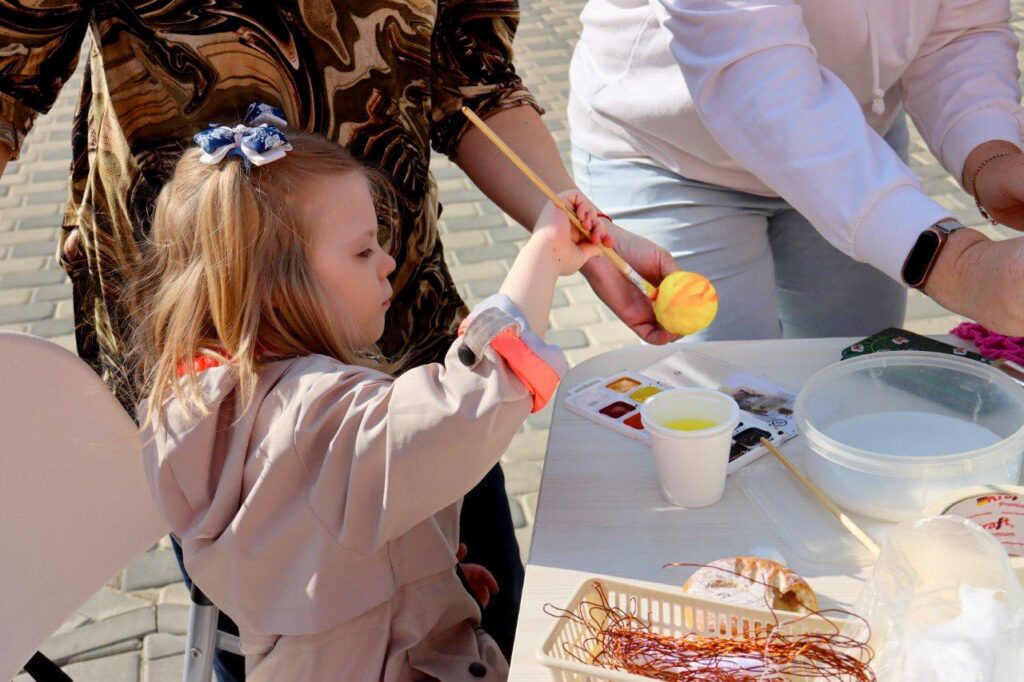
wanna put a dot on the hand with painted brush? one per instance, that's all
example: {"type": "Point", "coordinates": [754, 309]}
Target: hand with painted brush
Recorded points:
{"type": "Point", "coordinates": [683, 303]}
{"type": "Point", "coordinates": [490, 170]}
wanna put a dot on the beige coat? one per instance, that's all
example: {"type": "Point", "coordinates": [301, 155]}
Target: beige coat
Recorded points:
{"type": "Point", "coordinates": [324, 520]}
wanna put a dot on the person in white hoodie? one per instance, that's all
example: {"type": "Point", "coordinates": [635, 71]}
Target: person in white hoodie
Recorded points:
{"type": "Point", "coordinates": [763, 143]}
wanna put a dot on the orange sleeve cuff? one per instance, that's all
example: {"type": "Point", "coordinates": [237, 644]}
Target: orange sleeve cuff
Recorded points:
{"type": "Point", "coordinates": [529, 368]}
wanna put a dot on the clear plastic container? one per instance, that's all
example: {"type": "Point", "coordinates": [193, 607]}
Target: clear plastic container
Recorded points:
{"type": "Point", "coordinates": [892, 432]}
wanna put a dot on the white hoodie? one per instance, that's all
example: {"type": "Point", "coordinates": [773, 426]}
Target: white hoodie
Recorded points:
{"type": "Point", "coordinates": [789, 98]}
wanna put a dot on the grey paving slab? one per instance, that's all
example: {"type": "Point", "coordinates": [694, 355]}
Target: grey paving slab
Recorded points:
{"type": "Point", "coordinates": [85, 638]}
{"type": "Point", "coordinates": [175, 593]}
{"type": "Point", "coordinates": [161, 645]}
{"type": "Point", "coordinates": [522, 477]}
{"type": "Point", "coordinates": [123, 668]}
{"type": "Point", "coordinates": [53, 327]}
{"type": "Point", "coordinates": [14, 297]}
{"type": "Point", "coordinates": [172, 618]}
{"type": "Point", "coordinates": [530, 445]}
{"type": "Point", "coordinates": [518, 513]}
{"type": "Point", "coordinates": [529, 502]}
{"type": "Point", "coordinates": [152, 569]}
{"type": "Point", "coordinates": [567, 339]}
{"type": "Point", "coordinates": [76, 620]}
{"type": "Point", "coordinates": [26, 313]}
{"type": "Point", "coordinates": [109, 602]}
{"type": "Point", "coordinates": [134, 644]}
{"type": "Point", "coordinates": [167, 669]}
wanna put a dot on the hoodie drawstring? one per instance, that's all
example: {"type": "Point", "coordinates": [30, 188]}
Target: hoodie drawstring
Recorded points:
{"type": "Point", "coordinates": [878, 95]}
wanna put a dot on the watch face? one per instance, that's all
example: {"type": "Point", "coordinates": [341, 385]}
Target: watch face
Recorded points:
{"type": "Point", "coordinates": [919, 262]}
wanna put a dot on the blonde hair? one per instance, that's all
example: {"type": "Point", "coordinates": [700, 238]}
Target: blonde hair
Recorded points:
{"type": "Point", "coordinates": [226, 273]}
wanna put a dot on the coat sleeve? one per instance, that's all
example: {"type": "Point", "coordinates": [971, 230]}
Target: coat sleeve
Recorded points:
{"type": "Point", "coordinates": [40, 41]}
{"type": "Point", "coordinates": [759, 89]}
{"type": "Point", "coordinates": [962, 89]}
{"type": "Point", "coordinates": [471, 65]}
{"type": "Point", "coordinates": [383, 455]}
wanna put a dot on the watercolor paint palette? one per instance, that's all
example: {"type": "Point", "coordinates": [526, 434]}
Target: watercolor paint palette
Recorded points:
{"type": "Point", "coordinates": [614, 401]}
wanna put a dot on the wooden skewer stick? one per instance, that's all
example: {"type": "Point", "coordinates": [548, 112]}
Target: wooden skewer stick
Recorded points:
{"type": "Point", "coordinates": [829, 504]}
{"type": "Point", "coordinates": [625, 268]}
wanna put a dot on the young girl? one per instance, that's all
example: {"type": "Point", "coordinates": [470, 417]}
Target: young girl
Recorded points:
{"type": "Point", "coordinates": [315, 496]}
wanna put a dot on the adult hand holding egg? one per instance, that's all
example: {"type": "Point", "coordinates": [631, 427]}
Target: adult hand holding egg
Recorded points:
{"type": "Point", "coordinates": [689, 307]}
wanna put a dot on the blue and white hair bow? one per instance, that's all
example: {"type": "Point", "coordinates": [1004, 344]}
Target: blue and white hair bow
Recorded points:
{"type": "Point", "coordinates": [258, 141]}
{"type": "Point", "coordinates": [259, 112]}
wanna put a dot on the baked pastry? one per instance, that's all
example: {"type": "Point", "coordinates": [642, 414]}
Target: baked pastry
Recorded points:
{"type": "Point", "coordinates": [738, 580]}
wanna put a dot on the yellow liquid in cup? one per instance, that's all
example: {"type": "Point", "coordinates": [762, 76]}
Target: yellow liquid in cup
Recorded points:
{"type": "Point", "coordinates": [689, 424]}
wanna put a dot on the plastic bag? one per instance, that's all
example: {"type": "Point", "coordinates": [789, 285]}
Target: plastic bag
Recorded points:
{"type": "Point", "coordinates": [945, 605]}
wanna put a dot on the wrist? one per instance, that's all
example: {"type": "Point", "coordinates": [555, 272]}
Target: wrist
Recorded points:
{"type": "Point", "coordinates": [973, 164]}
{"type": "Point", "coordinates": [545, 251]}
{"type": "Point", "coordinates": [530, 282]}
{"type": "Point", "coordinates": [953, 266]}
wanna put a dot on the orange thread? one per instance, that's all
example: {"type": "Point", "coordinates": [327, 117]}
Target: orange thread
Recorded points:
{"type": "Point", "coordinates": [621, 639]}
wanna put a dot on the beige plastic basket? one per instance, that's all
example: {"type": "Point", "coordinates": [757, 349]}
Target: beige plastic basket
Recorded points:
{"type": "Point", "coordinates": [671, 612]}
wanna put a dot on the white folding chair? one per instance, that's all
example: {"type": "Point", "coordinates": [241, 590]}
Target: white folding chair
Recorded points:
{"type": "Point", "coordinates": [74, 502]}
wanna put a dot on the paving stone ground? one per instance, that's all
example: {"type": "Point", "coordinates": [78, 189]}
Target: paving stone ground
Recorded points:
{"type": "Point", "coordinates": [133, 628]}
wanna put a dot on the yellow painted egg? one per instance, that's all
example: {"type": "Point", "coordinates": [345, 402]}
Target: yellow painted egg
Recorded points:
{"type": "Point", "coordinates": [686, 303]}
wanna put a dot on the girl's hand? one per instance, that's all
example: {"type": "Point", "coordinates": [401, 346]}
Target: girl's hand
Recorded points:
{"type": "Point", "coordinates": [480, 580]}
{"type": "Point", "coordinates": [568, 245]}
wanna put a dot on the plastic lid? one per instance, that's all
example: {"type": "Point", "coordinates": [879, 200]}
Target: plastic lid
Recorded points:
{"type": "Point", "coordinates": [912, 414]}
{"type": "Point", "coordinates": [997, 508]}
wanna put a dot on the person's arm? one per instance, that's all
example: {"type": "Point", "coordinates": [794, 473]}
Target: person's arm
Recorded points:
{"type": "Point", "coordinates": [524, 131]}
{"type": "Point", "coordinates": [5, 156]}
{"type": "Point", "coordinates": [963, 93]}
{"type": "Point", "coordinates": [471, 65]}
{"type": "Point", "coordinates": [982, 279]}
{"type": "Point", "coordinates": [756, 82]}
{"type": "Point", "coordinates": [484, 79]}
{"type": "Point", "coordinates": [39, 50]}
{"type": "Point", "coordinates": [994, 174]}
{"type": "Point", "coordinates": [384, 455]}
{"type": "Point", "coordinates": [961, 89]}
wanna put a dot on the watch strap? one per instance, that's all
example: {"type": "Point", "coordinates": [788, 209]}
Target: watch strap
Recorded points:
{"type": "Point", "coordinates": [948, 226]}
{"type": "Point", "coordinates": [915, 264]}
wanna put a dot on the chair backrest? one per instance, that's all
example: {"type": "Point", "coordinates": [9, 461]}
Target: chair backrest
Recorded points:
{"type": "Point", "coordinates": [74, 503]}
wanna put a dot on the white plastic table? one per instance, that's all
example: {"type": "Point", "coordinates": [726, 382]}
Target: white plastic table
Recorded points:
{"type": "Point", "coordinates": [600, 511]}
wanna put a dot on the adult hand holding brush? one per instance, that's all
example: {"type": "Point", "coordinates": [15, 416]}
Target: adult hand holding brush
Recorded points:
{"type": "Point", "coordinates": [683, 303]}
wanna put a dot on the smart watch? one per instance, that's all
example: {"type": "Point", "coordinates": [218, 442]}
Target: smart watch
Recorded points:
{"type": "Point", "coordinates": [925, 252]}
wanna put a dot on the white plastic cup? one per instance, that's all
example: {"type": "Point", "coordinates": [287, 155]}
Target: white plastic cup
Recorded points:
{"type": "Point", "coordinates": [691, 464]}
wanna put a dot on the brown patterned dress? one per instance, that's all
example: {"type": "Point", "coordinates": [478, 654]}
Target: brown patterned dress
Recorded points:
{"type": "Point", "coordinates": [385, 78]}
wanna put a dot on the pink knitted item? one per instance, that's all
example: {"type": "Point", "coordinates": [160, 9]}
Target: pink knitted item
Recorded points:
{"type": "Point", "coordinates": [993, 346]}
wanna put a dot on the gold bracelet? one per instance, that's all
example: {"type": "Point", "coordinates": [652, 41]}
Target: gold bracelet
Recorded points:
{"type": "Point", "coordinates": [974, 184]}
